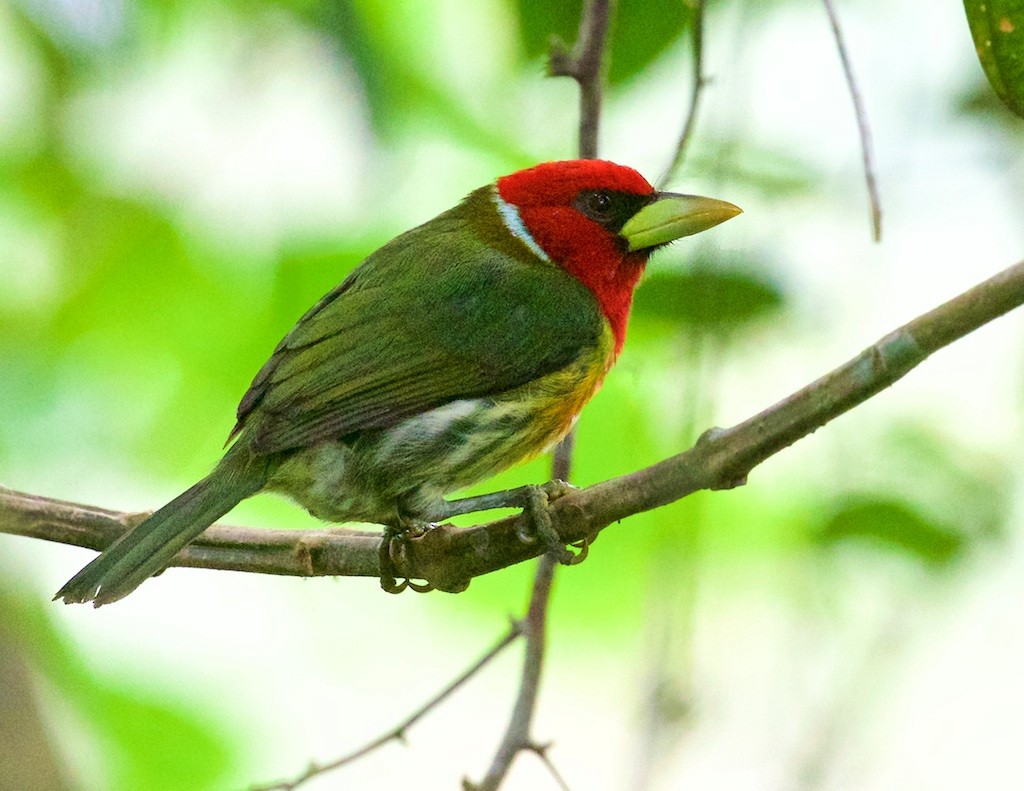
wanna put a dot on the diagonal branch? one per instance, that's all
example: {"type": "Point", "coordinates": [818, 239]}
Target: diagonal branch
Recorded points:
{"type": "Point", "coordinates": [398, 732]}
{"type": "Point", "coordinates": [866, 149]}
{"type": "Point", "coordinates": [517, 734]}
{"type": "Point", "coordinates": [696, 89]}
{"type": "Point", "coordinates": [450, 557]}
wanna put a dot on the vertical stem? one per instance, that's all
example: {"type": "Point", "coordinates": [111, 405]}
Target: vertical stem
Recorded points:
{"type": "Point", "coordinates": [517, 734]}
{"type": "Point", "coordinates": [585, 65]}
{"type": "Point", "coordinates": [561, 463]}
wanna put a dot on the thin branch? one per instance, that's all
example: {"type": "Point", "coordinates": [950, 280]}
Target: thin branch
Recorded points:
{"type": "Point", "coordinates": [867, 151]}
{"type": "Point", "coordinates": [541, 751]}
{"type": "Point", "coordinates": [449, 557]}
{"type": "Point", "coordinates": [561, 462]}
{"type": "Point", "coordinates": [696, 89]}
{"type": "Point", "coordinates": [517, 734]}
{"type": "Point", "coordinates": [516, 630]}
{"type": "Point", "coordinates": [585, 64]}
{"type": "Point", "coordinates": [298, 553]}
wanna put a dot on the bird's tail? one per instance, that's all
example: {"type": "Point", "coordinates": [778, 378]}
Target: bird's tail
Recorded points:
{"type": "Point", "coordinates": [148, 548]}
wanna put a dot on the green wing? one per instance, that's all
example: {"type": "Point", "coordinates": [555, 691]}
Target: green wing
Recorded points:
{"type": "Point", "coordinates": [416, 326]}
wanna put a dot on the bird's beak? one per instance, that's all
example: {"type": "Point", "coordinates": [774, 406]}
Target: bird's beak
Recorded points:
{"type": "Point", "coordinates": [671, 216]}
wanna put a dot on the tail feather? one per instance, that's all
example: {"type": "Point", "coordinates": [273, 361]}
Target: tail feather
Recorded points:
{"type": "Point", "coordinates": [149, 548]}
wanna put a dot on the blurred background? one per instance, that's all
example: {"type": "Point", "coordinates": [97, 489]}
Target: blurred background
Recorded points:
{"type": "Point", "coordinates": [180, 181]}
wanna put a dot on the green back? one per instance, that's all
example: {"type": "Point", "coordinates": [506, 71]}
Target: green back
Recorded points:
{"type": "Point", "coordinates": [456, 308]}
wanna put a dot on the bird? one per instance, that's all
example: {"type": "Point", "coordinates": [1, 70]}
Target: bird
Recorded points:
{"type": "Point", "coordinates": [456, 350]}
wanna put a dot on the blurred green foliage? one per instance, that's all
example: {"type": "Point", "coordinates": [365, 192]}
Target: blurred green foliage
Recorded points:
{"type": "Point", "coordinates": [640, 33]}
{"type": "Point", "coordinates": [895, 525]}
{"type": "Point", "coordinates": [148, 741]}
{"type": "Point", "coordinates": [930, 501]}
{"type": "Point", "coordinates": [719, 297]}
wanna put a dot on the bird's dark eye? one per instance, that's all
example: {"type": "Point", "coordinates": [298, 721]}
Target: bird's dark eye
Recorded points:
{"type": "Point", "coordinates": [599, 203]}
{"type": "Point", "coordinates": [610, 208]}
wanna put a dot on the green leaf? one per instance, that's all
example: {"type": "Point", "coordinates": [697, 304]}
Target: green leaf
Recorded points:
{"type": "Point", "coordinates": [711, 297]}
{"type": "Point", "coordinates": [997, 27]}
{"type": "Point", "coordinates": [641, 31]}
{"type": "Point", "coordinates": [894, 525]}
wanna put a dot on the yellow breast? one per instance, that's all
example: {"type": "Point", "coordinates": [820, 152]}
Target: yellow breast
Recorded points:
{"type": "Point", "coordinates": [554, 401]}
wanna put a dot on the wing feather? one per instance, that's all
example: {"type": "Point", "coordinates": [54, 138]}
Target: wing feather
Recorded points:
{"type": "Point", "coordinates": [416, 326]}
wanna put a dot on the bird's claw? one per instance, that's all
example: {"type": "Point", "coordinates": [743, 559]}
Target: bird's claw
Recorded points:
{"type": "Point", "coordinates": [535, 524]}
{"type": "Point", "coordinates": [556, 488]}
{"type": "Point", "coordinates": [391, 543]}
{"type": "Point", "coordinates": [584, 549]}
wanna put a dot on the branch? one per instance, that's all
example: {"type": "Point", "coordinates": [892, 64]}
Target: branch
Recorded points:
{"type": "Point", "coordinates": [697, 87]}
{"type": "Point", "coordinates": [398, 732]}
{"type": "Point", "coordinates": [585, 64]}
{"type": "Point", "coordinates": [449, 556]}
{"type": "Point", "coordinates": [867, 153]}
{"type": "Point", "coordinates": [542, 752]}
{"type": "Point", "coordinates": [517, 734]}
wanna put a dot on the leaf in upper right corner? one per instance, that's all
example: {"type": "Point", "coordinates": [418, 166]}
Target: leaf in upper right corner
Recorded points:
{"type": "Point", "coordinates": [997, 27]}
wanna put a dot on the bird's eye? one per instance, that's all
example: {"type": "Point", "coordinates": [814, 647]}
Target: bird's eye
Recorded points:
{"type": "Point", "coordinates": [609, 208]}
{"type": "Point", "coordinates": [599, 203]}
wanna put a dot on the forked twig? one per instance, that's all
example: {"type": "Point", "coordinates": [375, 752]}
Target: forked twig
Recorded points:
{"type": "Point", "coordinates": [541, 751]}
{"type": "Point", "coordinates": [585, 64]}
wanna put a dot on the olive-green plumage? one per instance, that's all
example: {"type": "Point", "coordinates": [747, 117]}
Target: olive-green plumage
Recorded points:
{"type": "Point", "coordinates": [449, 310]}
{"type": "Point", "coordinates": [457, 349]}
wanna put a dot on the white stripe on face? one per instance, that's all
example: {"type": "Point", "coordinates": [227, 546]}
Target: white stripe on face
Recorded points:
{"type": "Point", "coordinates": [510, 216]}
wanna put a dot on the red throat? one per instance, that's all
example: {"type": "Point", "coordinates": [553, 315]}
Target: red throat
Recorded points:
{"type": "Point", "coordinates": [544, 196]}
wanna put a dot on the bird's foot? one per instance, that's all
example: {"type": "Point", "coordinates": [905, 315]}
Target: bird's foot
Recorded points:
{"type": "Point", "coordinates": [392, 544]}
{"type": "Point", "coordinates": [535, 524]}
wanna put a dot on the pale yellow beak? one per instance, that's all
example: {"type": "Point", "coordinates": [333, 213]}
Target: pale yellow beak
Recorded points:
{"type": "Point", "coordinates": [672, 217]}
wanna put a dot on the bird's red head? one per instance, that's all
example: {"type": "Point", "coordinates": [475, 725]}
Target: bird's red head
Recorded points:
{"type": "Point", "coordinates": [573, 211]}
